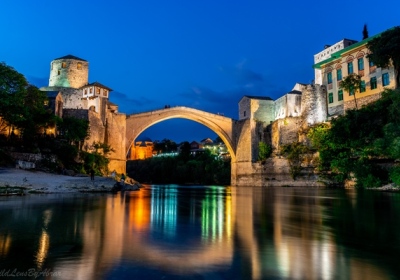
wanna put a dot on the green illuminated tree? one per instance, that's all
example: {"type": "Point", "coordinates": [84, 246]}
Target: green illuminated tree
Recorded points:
{"type": "Point", "coordinates": [385, 51]}
{"type": "Point", "coordinates": [352, 84]}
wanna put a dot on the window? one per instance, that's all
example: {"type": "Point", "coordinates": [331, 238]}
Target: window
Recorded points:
{"type": "Point", "coordinates": [350, 68]}
{"type": "Point", "coordinates": [244, 113]}
{"type": "Point", "coordinates": [362, 86]}
{"type": "Point", "coordinates": [339, 74]}
{"type": "Point", "coordinates": [46, 103]}
{"type": "Point", "coordinates": [371, 63]}
{"type": "Point", "coordinates": [104, 92]}
{"type": "Point", "coordinates": [330, 97]}
{"type": "Point", "coordinates": [64, 65]}
{"type": "Point", "coordinates": [97, 90]}
{"type": "Point", "coordinates": [79, 66]}
{"type": "Point", "coordinates": [91, 90]}
{"type": "Point", "coordinates": [385, 79]}
{"type": "Point", "coordinates": [373, 83]}
{"type": "Point", "coordinates": [330, 78]}
{"type": "Point", "coordinates": [85, 91]}
{"type": "Point", "coordinates": [360, 63]}
{"type": "Point", "coordinates": [340, 95]}
{"type": "Point", "coordinates": [58, 72]}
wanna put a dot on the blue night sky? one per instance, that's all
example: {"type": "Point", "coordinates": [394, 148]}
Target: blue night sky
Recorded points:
{"type": "Point", "coordinates": [201, 54]}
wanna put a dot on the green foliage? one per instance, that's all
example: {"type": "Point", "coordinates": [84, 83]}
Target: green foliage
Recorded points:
{"type": "Point", "coordinates": [295, 153]}
{"type": "Point", "coordinates": [264, 151]}
{"type": "Point", "coordinates": [95, 161]}
{"type": "Point", "coordinates": [12, 92]}
{"type": "Point", "coordinates": [204, 168]}
{"type": "Point", "coordinates": [350, 83]}
{"type": "Point", "coordinates": [395, 175]}
{"type": "Point", "coordinates": [385, 50]}
{"type": "Point", "coordinates": [102, 148]}
{"type": "Point", "coordinates": [164, 146]}
{"type": "Point", "coordinates": [73, 129]}
{"type": "Point", "coordinates": [359, 141]}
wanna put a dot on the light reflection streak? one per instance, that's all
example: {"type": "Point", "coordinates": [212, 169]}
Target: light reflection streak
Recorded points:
{"type": "Point", "coordinates": [44, 244]}
{"type": "Point", "coordinates": [5, 243]}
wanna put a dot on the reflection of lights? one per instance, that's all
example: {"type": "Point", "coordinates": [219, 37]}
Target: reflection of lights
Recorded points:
{"type": "Point", "coordinates": [163, 209]}
{"type": "Point", "coordinates": [5, 242]}
{"type": "Point", "coordinates": [215, 215]}
{"type": "Point", "coordinates": [47, 217]}
{"type": "Point", "coordinates": [43, 249]}
{"type": "Point", "coordinates": [139, 212]}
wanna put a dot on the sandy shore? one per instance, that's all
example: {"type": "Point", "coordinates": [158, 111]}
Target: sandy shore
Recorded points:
{"type": "Point", "coordinates": [41, 182]}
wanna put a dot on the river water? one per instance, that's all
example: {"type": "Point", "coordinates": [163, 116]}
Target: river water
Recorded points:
{"type": "Point", "coordinates": [202, 232]}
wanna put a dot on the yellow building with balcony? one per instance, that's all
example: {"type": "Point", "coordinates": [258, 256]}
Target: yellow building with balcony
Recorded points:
{"type": "Point", "coordinates": [344, 58]}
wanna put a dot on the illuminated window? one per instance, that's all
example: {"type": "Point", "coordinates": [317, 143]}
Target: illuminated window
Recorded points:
{"type": "Point", "coordinates": [105, 92]}
{"type": "Point", "coordinates": [340, 95]}
{"type": "Point", "coordinates": [79, 66]}
{"type": "Point", "coordinates": [64, 65]}
{"type": "Point", "coordinates": [46, 103]}
{"type": "Point", "coordinates": [339, 74]}
{"type": "Point", "coordinates": [97, 90]}
{"type": "Point", "coordinates": [373, 83]}
{"type": "Point", "coordinates": [85, 91]}
{"type": "Point", "coordinates": [330, 78]}
{"type": "Point", "coordinates": [362, 86]}
{"type": "Point", "coordinates": [91, 90]}
{"type": "Point", "coordinates": [330, 97]}
{"type": "Point", "coordinates": [385, 79]}
{"type": "Point", "coordinates": [350, 68]}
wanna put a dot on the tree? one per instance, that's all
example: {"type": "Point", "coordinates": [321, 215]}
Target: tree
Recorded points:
{"type": "Point", "coordinates": [385, 51]}
{"type": "Point", "coordinates": [73, 129]}
{"type": "Point", "coordinates": [352, 84]}
{"type": "Point", "coordinates": [12, 92]}
{"type": "Point", "coordinates": [365, 32]}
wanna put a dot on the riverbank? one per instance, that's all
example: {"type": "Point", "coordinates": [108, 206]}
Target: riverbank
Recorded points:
{"type": "Point", "coordinates": [42, 182]}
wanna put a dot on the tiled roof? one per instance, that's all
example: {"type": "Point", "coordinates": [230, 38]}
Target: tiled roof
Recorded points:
{"type": "Point", "coordinates": [97, 84]}
{"type": "Point", "coordinates": [69, 56]}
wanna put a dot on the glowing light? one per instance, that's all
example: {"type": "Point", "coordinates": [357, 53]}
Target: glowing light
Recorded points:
{"type": "Point", "coordinates": [43, 249]}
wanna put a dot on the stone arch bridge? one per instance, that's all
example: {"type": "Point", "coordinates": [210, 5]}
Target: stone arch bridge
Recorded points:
{"type": "Point", "coordinates": [237, 135]}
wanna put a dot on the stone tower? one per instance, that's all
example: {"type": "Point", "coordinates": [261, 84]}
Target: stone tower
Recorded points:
{"type": "Point", "coordinates": [69, 71]}
{"type": "Point", "coordinates": [314, 107]}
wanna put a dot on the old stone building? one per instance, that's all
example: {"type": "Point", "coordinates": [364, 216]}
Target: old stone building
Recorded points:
{"type": "Point", "coordinates": [69, 78]}
{"type": "Point", "coordinates": [142, 148]}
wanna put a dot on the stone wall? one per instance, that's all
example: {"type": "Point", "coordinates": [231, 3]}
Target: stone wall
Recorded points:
{"type": "Point", "coordinates": [116, 138]}
{"type": "Point", "coordinates": [314, 108]}
{"type": "Point", "coordinates": [76, 113]}
{"type": "Point", "coordinates": [274, 172]}
{"type": "Point", "coordinates": [285, 131]}
{"type": "Point", "coordinates": [72, 98]}
{"type": "Point", "coordinates": [348, 105]}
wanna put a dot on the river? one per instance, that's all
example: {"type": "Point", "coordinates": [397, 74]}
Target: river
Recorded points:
{"type": "Point", "coordinates": [202, 232]}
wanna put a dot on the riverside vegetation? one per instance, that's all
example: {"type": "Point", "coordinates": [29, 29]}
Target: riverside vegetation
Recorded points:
{"type": "Point", "coordinates": [24, 120]}
{"type": "Point", "coordinates": [204, 168]}
{"type": "Point", "coordinates": [362, 146]}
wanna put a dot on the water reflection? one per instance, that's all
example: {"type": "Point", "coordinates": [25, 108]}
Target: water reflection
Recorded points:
{"type": "Point", "coordinates": [218, 232]}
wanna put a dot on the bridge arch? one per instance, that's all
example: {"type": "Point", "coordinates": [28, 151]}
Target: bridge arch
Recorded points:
{"type": "Point", "coordinates": [221, 125]}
